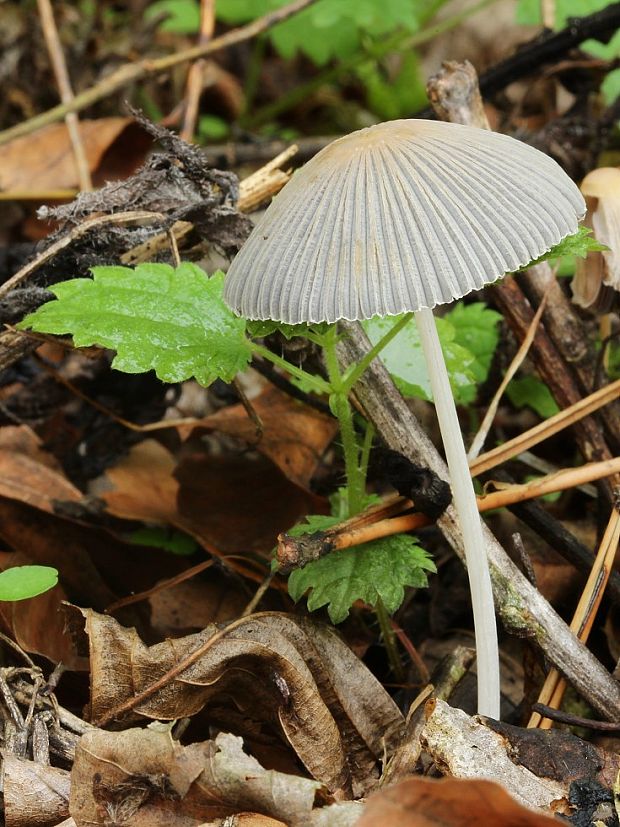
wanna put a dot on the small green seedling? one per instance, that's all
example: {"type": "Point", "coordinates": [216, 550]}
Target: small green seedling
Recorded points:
{"type": "Point", "coordinates": [24, 582]}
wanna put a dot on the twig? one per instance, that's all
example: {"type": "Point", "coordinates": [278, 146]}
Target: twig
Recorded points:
{"type": "Point", "coordinates": [574, 720]}
{"type": "Point", "coordinates": [293, 552]}
{"type": "Point", "coordinates": [554, 686]}
{"type": "Point", "coordinates": [75, 233]}
{"type": "Point", "coordinates": [54, 48]}
{"type": "Point", "coordinates": [546, 429]}
{"type": "Point", "coordinates": [485, 425]}
{"type": "Point", "coordinates": [547, 8]}
{"type": "Point", "coordinates": [159, 587]}
{"type": "Point", "coordinates": [196, 71]}
{"type": "Point", "coordinates": [554, 532]}
{"type": "Point", "coordinates": [133, 72]}
{"type": "Point", "coordinates": [253, 190]}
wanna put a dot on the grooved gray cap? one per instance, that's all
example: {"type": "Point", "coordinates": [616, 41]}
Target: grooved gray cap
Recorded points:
{"type": "Point", "coordinates": [400, 216]}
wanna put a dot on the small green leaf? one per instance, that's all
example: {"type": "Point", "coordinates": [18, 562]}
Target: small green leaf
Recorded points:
{"type": "Point", "coordinates": [182, 16]}
{"type": "Point", "coordinates": [381, 569]}
{"type": "Point", "coordinates": [579, 244]}
{"type": "Point", "coordinates": [172, 321]}
{"type": "Point", "coordinates": [212, 128]}
{"type": "Point", "coordinates": [167, 539]}
{"type": "Point", "coordinates": [22, 582]}
{"type": "Point", "coordinates": [529, 390]}
{"type": "Point", "coordinates": [476, 328]}
{"type": "Point", "coordinates": [404, 359]}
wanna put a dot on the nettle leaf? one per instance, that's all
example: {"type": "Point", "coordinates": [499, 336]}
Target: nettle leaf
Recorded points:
{"type": "Point", "coordinates": [476, 327]}
{"type": "Point", "coordinates": [156, 317]}
{"type": "Point", "coordinates": [329, 28]}
{"type": "Point", "coordinates": [259, 328]}
{"type": "Point", "coordinates": [579, 244]}
{"type": "Point", "coordinates": [23, 582]}
{"type": "Point", "coordinates": [404, 359]}
{"type": "Point", "coordinates": [379, 570]}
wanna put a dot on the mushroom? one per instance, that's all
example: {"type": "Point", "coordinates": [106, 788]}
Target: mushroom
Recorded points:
{"type": "Point", "coordinates": [597, 277]}
{"type": "Point", "coordinates": [400, 217]}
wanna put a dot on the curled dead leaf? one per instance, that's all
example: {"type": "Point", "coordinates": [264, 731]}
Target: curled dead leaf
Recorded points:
{"type": "Point", "coordinates": [294, 675]}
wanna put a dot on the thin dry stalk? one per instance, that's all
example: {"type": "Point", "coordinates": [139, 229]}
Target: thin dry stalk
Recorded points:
{"type": "Point", "coordinates": [547, 9]}
{"type": "Point", "coordinates": [159, 587]}
{"type": "Point", "coordinates": [76, 232]}
{"type": "Point", "coordinates": [358, 531]}
{"type": "Point", "coordinates": [485, 426]}
{"type": "Point", "coordinates": [57, 58]}
{"type": "Point", "coordinates": [554, 686]}
{"type": "Point", "coordinates": [195, 75]}
{"type": "Point", "coordinates": [546, 429]}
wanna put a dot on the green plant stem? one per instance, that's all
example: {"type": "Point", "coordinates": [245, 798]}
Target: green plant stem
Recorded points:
{"type": "Point", "coordinates": [369, 435]}
{"type": "Point", "coordinates": [319, 385]}
{"type": "Point", "coordinates": [400, 42]}
{"type": "Point", "coordinates": [389, 641]}
{"type": "Point", "coordinates": [339, 401]}
{"type": "Point", "coordinates": [350, 378]}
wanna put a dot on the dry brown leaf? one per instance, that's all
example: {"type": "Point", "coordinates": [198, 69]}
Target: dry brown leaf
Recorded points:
{"type": "Point", "coordinates": [52, 541]}
{"type": "Point", "coordinates": [228, 504]}
{"type": "Point", "coordinates": [30, 474]}
{"type": "Point", "coordinates": [195, 603]}
{"type": "Point", "coordinates": [275, 668]}
{"type": "Point", "coordinates": [294, 435]}
{"type": "Point", "coordinates": [144, 778]}
{"type": "Point", "coordinates": [239, 503]}
{"type": "Point", "coordinates": [44, 160]}
{"type": "Point", "coordinates": [37, 624]}
{"type": "Point", "coordinates": [34, 795]}
{"type": "Point", "coordinates": [448, 802]}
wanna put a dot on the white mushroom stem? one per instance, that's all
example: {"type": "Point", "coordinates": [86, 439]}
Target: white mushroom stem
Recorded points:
{"type": "Point", "coordinates": [464, 499]}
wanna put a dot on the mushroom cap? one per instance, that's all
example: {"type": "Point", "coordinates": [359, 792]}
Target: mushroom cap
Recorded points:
{"type": "Point", "coordinates": [397, 217]}
{"type": "Point", "coordinates": [602, 183]}
{"type": "Point", "coordinates": [597, 277]}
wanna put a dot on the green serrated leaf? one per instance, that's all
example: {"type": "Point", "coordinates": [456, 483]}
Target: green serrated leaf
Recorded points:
{"type": "Point", "coordinates": [156, 317]}
{"type": "Point", "coordinates": [379, 570]}
{"type": "Point", "coordinates": [182, 16]}
{"type": "Point", "coordinates": [476, 328]}
{"type": "Point", "coordinates": [329, 28]}
{"type": "Point", "coordinates": [404, 359]}
{"type": "Point", "coordinates": [23, 582]}
{"type": "Point", "coordinates": [260, 328]}
{"type": "Point", "coordinates": [579, 244]}
{"type": "Point", "coordinates": [530, 391]}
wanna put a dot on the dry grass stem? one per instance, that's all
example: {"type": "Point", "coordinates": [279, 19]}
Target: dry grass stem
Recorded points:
{"type": "Point", "coordinates": [485, 426]}
{"type": "Point", "coordinates": [554, 686]}
{"type": "Point", "coordinates": [59, 65]}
